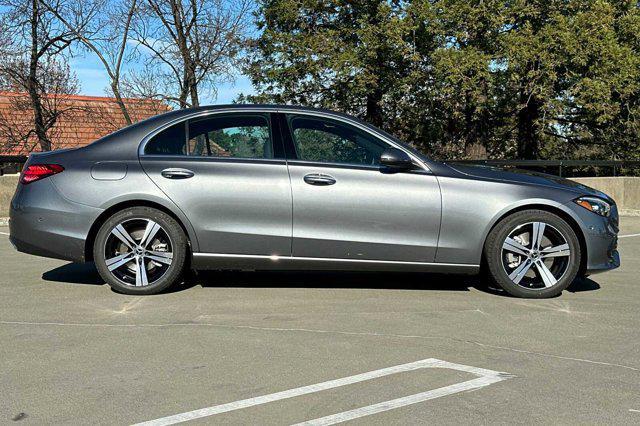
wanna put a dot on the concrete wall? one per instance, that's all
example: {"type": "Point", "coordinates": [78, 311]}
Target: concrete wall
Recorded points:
{"type": "Point", "coordinates": [7, 188]}
{"type": "Point", "coordinates": [625, 190]}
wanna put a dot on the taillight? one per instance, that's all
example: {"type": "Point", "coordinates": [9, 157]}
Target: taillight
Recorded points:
{"type": "Point", "coordinates": [36, 172]}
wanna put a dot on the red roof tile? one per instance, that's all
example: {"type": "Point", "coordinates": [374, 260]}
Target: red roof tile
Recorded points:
{"type": "Point", "coordinates": [87, 118]}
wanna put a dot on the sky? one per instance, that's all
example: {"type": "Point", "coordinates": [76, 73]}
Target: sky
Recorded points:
{"type": "Point", "coordinates": [95, 82]}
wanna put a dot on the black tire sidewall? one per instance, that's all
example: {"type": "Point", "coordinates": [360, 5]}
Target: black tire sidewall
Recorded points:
{"type": "Point", "coordinates": [493, 253]}
{"type": "Point", "coordinates": [179, 248]}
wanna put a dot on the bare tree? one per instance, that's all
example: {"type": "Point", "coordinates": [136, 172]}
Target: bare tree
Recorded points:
{"type": "Point", "coordinates": [188, 46]}
{"type": "Point", "coordinates": [31, 59]}
{"type": "Point", "coordinates": [106, 34]}
{"type": "Point", "coordinates": [17, 120]}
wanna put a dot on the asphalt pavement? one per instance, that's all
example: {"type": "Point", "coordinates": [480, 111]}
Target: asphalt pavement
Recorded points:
{"type": "Point", "coordinates": [244, 348]}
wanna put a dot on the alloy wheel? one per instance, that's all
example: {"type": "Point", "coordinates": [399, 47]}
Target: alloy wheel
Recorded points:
{"type": "Point", "coordinates": [535, 255]}
{"type": "Point", "coordinates": [138, 252]}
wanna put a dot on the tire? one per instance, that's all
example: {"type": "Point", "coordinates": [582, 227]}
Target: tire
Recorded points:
{"type": "Point", "coordinates": [527, 266]}
{"type": "Point", "coordinates": [119, 252]}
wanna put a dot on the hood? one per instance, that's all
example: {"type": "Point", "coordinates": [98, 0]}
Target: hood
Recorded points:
{"type": "Point", "coordinates": [527, 177]}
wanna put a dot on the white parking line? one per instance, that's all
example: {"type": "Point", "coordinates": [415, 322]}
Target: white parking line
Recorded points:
{"type": "Point", "coordinates": [4, 233]}
{"type": "Point", "coordinates": [486, 378]}
{"type": "Point", "coordinates": [333, 419]}
{"type": "Point", "coordinates": [630, 235]}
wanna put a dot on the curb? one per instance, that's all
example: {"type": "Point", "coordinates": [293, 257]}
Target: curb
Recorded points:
{"type": "Point", "coordinates": [629, 212]}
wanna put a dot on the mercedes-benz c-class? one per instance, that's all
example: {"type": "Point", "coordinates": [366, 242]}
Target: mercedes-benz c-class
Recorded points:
{"type": "Point", "coordinates": [278, 187]}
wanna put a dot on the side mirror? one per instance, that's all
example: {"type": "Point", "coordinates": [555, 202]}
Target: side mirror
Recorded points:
{"type": "Point", "coordinates": [396, 159]}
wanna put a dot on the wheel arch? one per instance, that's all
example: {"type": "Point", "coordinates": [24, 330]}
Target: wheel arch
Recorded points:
{"type": "Point", "coordinates": [109, 211]}
{"type": "Point", "coordinates": [558, 211]}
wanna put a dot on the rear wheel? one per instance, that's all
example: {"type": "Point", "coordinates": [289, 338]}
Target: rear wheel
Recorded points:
{"type": "Point", "coordinates": [533, 253]}
{"type": "Point", "coordinates": [140, 250]}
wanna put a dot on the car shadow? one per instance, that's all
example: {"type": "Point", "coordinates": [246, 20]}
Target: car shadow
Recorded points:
{"type": "Point", "coordinates": [86, 273]}
{"type": "Point", "coordinates": [583, 284]}
{"type": "Point", "coordinates": [317, 279]}
{"type": "Point", "coordinates": [74, 273]}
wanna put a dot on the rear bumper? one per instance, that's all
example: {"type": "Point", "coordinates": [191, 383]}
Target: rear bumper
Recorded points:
{"type": "Point", "coordinates": [43, 223]}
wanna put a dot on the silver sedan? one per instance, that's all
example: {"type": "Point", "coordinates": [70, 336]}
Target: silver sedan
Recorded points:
{"type": "Point", "coordinates": [280, 187]}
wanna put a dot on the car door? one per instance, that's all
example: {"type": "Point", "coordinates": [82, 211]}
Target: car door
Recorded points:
{"type": "Point", "coordinates": [345, 206]}
{"type": "Point", "coordinates": [229, 176]}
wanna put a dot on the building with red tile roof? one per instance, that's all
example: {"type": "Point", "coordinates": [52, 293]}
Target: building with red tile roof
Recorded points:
{"type": "Point", "coordinates": [85, 119]}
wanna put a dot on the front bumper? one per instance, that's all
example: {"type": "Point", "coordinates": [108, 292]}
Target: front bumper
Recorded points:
{"type": "Point", "coordinates": [602, 254]}
{"type": "Point", "coordinates": [43, 223]}
{"type": "Point", "coordinates": [601, 239]}
{"type": "Point", "coordinates": [613, 262]}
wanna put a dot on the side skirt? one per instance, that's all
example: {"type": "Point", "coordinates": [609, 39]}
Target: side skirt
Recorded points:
{"type": "Point", "coordinates": [203, 261]}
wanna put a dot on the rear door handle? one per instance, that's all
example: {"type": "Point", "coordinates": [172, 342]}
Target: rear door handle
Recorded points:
{"type": "Point", "coordinates": [319, 179]}
{"type": "Point", "coordinates": [177, 173]}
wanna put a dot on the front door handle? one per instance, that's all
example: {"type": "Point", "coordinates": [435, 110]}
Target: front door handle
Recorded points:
{"type": "Point", "coordinates": [177, 173]}
{"type": "Point", "coordinates": [319, 179]}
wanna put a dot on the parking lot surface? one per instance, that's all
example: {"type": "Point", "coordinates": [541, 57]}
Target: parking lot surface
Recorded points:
{"type": "Point", "coordinates": [244, 348]}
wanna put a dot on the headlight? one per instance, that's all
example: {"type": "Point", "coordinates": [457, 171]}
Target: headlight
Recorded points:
{"type": "Point", "coordinates": [596, 205]}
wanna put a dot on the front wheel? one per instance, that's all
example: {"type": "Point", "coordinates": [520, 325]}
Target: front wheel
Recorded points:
{"type": "Point", "coordinates": [140, 250]}
{"type": "Point", "coordinates": [533, 254]}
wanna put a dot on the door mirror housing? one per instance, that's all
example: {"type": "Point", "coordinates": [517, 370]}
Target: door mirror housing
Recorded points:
{"type": "Point", "coordinates": [396, 159]}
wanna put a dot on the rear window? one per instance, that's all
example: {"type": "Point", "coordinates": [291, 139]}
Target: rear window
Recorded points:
{"type": "Point", "coordinates": [225, 136]}
{"type": "Point", "coordinates": [232, 136]}
{"type": "Point", "coordinates": [170, 141]}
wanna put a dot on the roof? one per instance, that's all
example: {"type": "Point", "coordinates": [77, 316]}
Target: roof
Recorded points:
{"type": "Point", "coordinates": [178, 114]}
{"type": "Point", "coordinates": [85, 119]}
{"type": "Point", "coordinates": [269, 107]}
{"type": "Point", "coordinates": [181, 113]}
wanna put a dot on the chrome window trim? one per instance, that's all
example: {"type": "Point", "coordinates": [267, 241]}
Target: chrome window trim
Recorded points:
{"type": "Point", "coordinates": [363, 167]}
{"type": "Point", "coordinates": [207, 159]}
{"type": "Point", "coordinates": [200, 114]}
{"type": "Point", "coordinates": [321, 114]}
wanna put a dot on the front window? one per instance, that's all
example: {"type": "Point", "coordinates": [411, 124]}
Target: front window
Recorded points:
{"type": "Point", "coordinates": [327, 141]}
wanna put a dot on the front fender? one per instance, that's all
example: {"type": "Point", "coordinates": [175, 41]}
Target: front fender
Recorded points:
{"type": "Point", "coordinates": [532, 203]}
{"type": "Point", "coordinates": [472, 207]}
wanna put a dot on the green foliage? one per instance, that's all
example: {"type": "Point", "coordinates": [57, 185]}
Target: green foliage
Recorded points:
{"type": "Point", "coordinates": [460, 78]}
{"type": "Point", "coordinates": [333, 143]}
{"type": "Point", "coordinates": [240, 142]}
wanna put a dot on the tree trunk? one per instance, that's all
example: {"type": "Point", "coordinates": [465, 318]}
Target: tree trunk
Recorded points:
{"type": "Point", "coordinates": [184, 90]}
{"type": "Point", "coordinates": [528, 128]}
{"type": "Point", "coordinates": [184, 94]}
{"type": "Point", "coordinates": [193, 86]}
{"type": "Point", "coordinates": [376, 69]}
{"type": "Point", "coordinates": [470, 136]}
{"type": "Point", "coordinates": [373, 114]}
{"type": "Point", "coordinates": [181, 40]}
{"type": "Point", "coordinates": [120, 102]}
{"type": "Point", "coordinates": [32, 82]}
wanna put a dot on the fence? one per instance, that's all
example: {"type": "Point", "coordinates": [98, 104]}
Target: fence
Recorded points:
{"type": "Point", "coordinates": [10, 164]}
{"type": "Point", "coordinates": [568, 168]}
